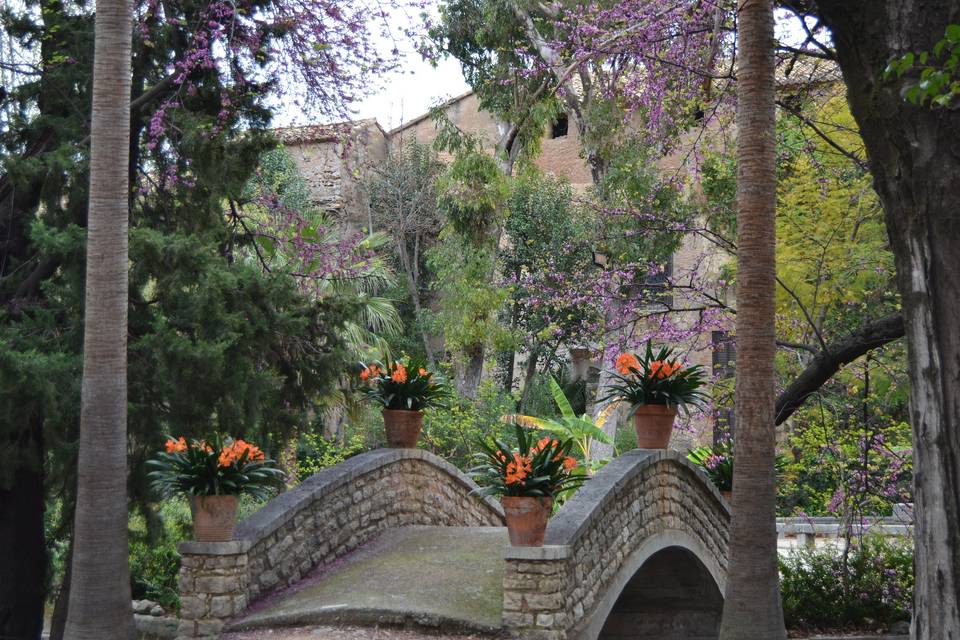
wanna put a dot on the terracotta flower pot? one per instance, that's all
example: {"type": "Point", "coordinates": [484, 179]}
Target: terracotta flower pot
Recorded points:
{"type": "Point", "coordinates": [654, 424]}
{"type": "Point", "coordinates": [526, 519]}
{"type": "Point", "coordinates": [727, 494]}
{"type": "Point", "coordinates": [213, 517]}
{"type": "Point", "coordinates": [403, 427]}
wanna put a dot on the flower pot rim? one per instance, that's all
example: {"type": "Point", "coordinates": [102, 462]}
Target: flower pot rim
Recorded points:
{"type": "Point", "coordinates": [664, 408]}
{"type": "Point", "coordinates": [505, 497]}
{"type": "Point", "coordinates": [403, 410]}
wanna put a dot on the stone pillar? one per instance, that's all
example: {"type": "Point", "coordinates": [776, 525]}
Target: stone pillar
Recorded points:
{"type": "Point", "coordinates": [534, 599]}
{"type": "Point", "coordinates": [214, 581]}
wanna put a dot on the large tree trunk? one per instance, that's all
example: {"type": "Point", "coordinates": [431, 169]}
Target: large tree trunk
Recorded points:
{"type": "Point", "coordinates": [23, 560]}
{"type": "Point", "coordinates": [99, 605]}
{"type": "Point", "coordinates": [752, 608]}
{"type": "Point", "coordinates": [914, 155]}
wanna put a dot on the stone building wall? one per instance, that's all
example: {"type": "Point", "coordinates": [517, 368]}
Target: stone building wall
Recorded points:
{"type": "Point", "coordinates": [325, 517]}
{"type": "Point", "coordinates": [640, 503]}
{"type": "Point", "coordinates": [333, 159]}
{"type": "Point", "coordinates": [559, 156]}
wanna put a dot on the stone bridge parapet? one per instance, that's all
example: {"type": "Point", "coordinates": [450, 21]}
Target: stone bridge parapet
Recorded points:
{"type": "Point", "coordinates": [322, 519]}
{"type": "Point", "coordinates": [639, 505]}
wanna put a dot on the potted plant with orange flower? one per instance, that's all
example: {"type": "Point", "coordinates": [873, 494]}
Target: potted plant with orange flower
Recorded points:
{"type": "Point", "coordinates": [527, 479]}
{"type": "Point", "coordinates": [212, 475]}
{"type": "Point", "coordinates": [404, 388]}
{"type": "Point", "coordinates": [656, 385]}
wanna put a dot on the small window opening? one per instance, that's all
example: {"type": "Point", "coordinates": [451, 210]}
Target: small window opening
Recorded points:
{"type": "Point", "coordinates": [560, 125]}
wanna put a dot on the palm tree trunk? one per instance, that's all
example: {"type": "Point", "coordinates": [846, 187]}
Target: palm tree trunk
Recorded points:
{"type": "Point", "coordinates": [99, 604]}
{"type": "Point", "coordinates": [752, 608]}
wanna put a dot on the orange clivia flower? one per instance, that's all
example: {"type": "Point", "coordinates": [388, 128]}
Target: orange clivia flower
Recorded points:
{"type": "Point", "coordinates": [176, 446]}
{"type": "Point", "coordinates": [627, 363]}
{"type": "Point", "coordinates": [518, 469]}
{"type": "Point", "coordinates": [399, 374]}
{"type": "Point", "coordinates": [234, 452]}
{"type": "Point", "coordinates": [423, 372]}
{"type": "Point", "coordinates": [569, 463]}
{"type": "Point", "coordinates": [541, 444]}
{"type": "Point", "coordinates": [365, 374]}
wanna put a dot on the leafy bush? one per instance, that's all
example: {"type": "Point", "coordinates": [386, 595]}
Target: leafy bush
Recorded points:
{"type": "Point", "coordinates": [875, 587]}
{"type": "Point", "coordinates": [314, 452]}
{"type": "Point", "coordinates": [452, 432]}
{"type": "Point", "coordinates": [153, 572]}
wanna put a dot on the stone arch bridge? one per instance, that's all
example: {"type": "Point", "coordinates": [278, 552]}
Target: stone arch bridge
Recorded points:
{"type": "Point", "coordinates": [639, 552]}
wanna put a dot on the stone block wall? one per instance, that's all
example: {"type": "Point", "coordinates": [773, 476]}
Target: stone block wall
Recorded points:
{"type": "Point", "coordinates": [641, 500]}
{"type": "Point", "coordinates": [325, 517]}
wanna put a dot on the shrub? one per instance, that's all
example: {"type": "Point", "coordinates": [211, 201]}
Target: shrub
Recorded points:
{"type": "Point", "coordinates": [874, 588]}
{"type": "Point", "coordinates": [314, 452]}
{"type": "Point", "coordinates": [452, 432]}
{"type": "Point", "coordinates": [153, 571]}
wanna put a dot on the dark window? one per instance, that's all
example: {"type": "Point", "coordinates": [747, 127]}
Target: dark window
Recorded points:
{"type": "Point", "coordinates": [656, 287]}
{"type": "Point", "coordinates": [724, 354]}
{"type": "Point", "coordinates": [560, 126]}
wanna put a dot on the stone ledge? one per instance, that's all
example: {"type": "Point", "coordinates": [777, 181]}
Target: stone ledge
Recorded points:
{"type": "Point", "coordinates": [230, 548]}
{"type": "Point", "coordinates": [546, 552]}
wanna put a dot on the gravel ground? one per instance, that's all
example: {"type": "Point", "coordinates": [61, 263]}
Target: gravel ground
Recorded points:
{"type": "Point", "coordinates": [344, 633]}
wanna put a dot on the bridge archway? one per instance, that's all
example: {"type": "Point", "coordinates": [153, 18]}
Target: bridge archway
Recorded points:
{"type": "Point", "coordinates": [635, 553]}
{"type": "Point", "coordinates": [665, 591]}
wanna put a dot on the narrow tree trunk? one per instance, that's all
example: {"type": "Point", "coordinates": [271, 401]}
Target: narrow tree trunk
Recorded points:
{"type": "Point", "coordinates": [99, 605]}
{"type": "Point", "coordinates": [915, 163]}
{"type": "Point", "coordinates": [23, 559]}
{"type": "Point", "coordinates": [599, 450]}
{"type": "Point", "coordinates": [752, 608]}
{"type": "Point", "coordinates": [529, 372]}
{"type": "Point", "coordinates": [468, 380]}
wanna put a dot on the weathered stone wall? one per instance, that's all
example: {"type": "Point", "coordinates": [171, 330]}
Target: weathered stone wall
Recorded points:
{"type": "Point", "coordinates": [333, 161]}
{"type": "Point", "coordinates": [641, 503]}
{"type": "Point", "coordinates": [325, 517]}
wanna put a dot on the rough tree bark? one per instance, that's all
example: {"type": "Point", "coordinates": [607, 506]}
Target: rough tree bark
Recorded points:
{"type": "Point", "coordinates": [752, 608]}
{"type": "Point", "coordinates": [99, 602]}
{"type": "Point", "coordinates": [914, 155]}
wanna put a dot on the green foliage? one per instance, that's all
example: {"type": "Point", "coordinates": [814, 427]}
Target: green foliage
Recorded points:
{"type": "Point", "coordinates": [656, 378]}
{"type": "Point", "coordinates": [402, 384]}
{"type": "Point", "coordinates": [581, 429]}
{"type": "Point", "coordinates": [153, 572]}
{"type": "Point", "coordinates": [468, 298]}
{"type": "Point", "coordinates": [826, 589]}
{"type": "Point", "coordinates": [716, 462]}
{"type": "Point", "coordinates": [471, 194]}
{"type": "Point", "coordinates": [536, 468]}
{"type": "Point", "coordinates": [933, 77]}
{"type": "Point", "coordinates": [837, 464]}
{"type": "Point", "coordinates": [315, 453]}
{"type": "Point", "coordinates": [222, 466]}
{"type": "Point", "coordinates": [451, 432]}
{"type": "Point", "coordinates": [548, 234]}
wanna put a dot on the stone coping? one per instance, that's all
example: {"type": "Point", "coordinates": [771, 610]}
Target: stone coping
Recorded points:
{"type": "Point", "coordinates": [229, 548]}
{"type": "Point", "coordinates": [538, 554]}
{"type": "Point", "coordinates": [575, 517]}
{"type": "Point", "coordinates": [283, 507]}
